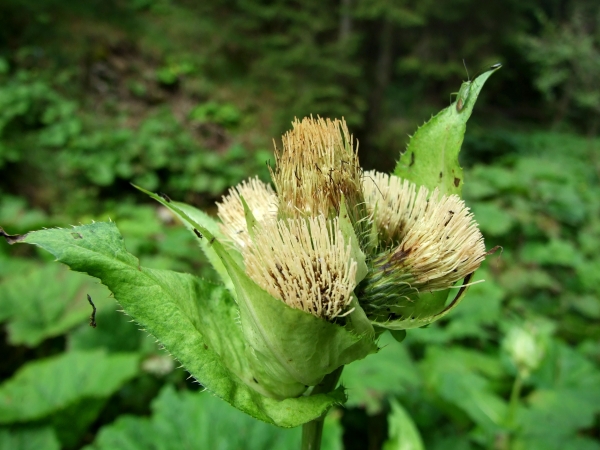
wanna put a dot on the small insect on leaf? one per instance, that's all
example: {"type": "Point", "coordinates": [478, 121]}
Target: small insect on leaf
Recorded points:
{"type": "Point", "coordinates": [164, 196]}
{"type": "Point", "coordinates": [463, 94]}
{"type": "Point", "coordinates": [93, 316]}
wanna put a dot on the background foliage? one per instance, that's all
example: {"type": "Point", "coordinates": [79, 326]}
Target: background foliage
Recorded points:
{"type": "Point", "coordinates": [184, 97]}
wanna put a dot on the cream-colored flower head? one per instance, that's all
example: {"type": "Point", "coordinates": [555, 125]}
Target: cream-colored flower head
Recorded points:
{"type": "Point", "coordinates": [428, 241]}
{"type": "Point", "coordinates": [317, 165]}
{"type": "Point", "coordinates": [261, 200]}
{"type": "Point", "coordinates": [305, 263]}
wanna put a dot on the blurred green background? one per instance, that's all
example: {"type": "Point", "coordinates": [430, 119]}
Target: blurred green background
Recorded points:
{"type": "Point", "coordinates": [185, 97]}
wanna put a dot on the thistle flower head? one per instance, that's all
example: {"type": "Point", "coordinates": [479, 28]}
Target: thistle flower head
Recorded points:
{"type": "Point", "coordinates": [305, 263]}
{"type": "Point", "coordinates": [427, 242]}
{"type": "Point", "coordinates": [315, 168]}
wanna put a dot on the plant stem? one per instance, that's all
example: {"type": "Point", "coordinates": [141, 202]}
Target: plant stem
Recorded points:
{"type": "Point", "coordinates": [313, 431]}
{"type": "Point", "coordinates": [515, 396]}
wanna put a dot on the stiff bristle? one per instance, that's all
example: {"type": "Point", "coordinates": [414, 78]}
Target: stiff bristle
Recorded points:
{"type": "Point", "coordinates": [305, 263]}
{"type": "Point", "coordinates": [316, 167]}
{"type": "Point", "coordinates": [435, 238]}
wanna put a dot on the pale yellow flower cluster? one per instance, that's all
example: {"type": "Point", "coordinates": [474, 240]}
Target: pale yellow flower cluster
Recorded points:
{"type": "Point", "coordinates": [297, 251]}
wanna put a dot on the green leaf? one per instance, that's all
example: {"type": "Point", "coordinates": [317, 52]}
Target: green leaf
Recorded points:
{"type": "Point", "coordinates": [46, 303]}
{"type": "Point", "coordinates": [191, 218]}
{"type": "Point", "coordinates": [115, 333]}
{"type": "Point", "coordinates": [450, 373]}
{"type": "Point", "coordinates": [431, 158]}
{"type": "Point", "coordinates": [43, 387]}
{"type": "Point", "coordinates": [404, 434]}
{"type": "Point", "coordinates": [558, 413]}
{"type": "Point", "coordinates": [493, 219]}
{"type": "Point", "coordinates": [350, 235]}
{"type": "Point", "coordinates": [390, 371]}
{"type": "Point", "coordinates": [549, 442]}
{"type": "Point", "coordinates": [480, 308]}
{"type": "Point", "coordinates": [186, 420]}
{"type": "Point", "coordinates": [567, 398]}
{"type": "Point", "coordinates": [36, 438]}
{"type": "Point", "coordinates": [175, 308]}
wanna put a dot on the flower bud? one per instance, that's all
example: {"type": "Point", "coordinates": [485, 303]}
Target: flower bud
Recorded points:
{"type": "Point", "coordinates": [526, 345]}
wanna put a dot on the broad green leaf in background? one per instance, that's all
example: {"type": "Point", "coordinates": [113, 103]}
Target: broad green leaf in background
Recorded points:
{"type": "Point", "coordinates": [43, 387]}
{"type": "Point", "coordinates": [46, 302]}
{"type": "Point", "coordinates": [456, 377]}
{"type": "Point", "coordinates": [431, 158]}
{"type": "Point", "coordinates": [390, 371]}
{"type": "Point", "coordinates": [170, 307]}
{"type": "Point", "coordinates": [13, 266]}
{"type": "Point", "coordinates": [556, 252]}
{"type": "Point", "coordinates": [28, 438]}
{"type": "Point", "coordinates": [115, 333]}
{"type": "Point", "coordinates": [190, 420]}
{"type": "Point", "coordinates": [566, 401]}
{"type": "Point", "coordinates": [403, 433]}
{"type": "Point", "coordinates": [549, 442]}
{"type": "Point", "coordinates": [480, 309]}
{"type": "Point", "coordinates": [493, 218]}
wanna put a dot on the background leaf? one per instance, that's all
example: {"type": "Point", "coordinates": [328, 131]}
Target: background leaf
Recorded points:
{"type": "Point", "coordinates": [372, 380]}
{"type": "Point", "coordinates": [404, 434]}
{"type": "Point", "coordinates": [46, 302]}
{"type": "Point", "coordinates": [28, 438]}
{"type": "Point", "coordinates": [43, 388]}
{"type": "Point", "coordinates": [187, 420]}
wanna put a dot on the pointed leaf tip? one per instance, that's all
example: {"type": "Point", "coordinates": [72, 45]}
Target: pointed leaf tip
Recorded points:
{"type": "Point", "coordinates": [12, 238]}
{"type": "Point", "coordinates": [431, 158]}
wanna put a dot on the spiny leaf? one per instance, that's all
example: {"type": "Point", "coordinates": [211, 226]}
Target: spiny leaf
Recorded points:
{"type": "Point", "coordinates": [175, 308]}
{"type": "Point", "coordinates": [431, 158]}
{"type": "Point", "coordinates": [191, 217]}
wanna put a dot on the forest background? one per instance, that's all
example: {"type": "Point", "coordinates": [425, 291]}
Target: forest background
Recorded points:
{"type": "Point", "coordinates": [186, 97]}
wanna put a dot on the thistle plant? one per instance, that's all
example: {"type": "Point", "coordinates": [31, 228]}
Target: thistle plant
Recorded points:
{"type": "Point", "coordinates": [314, 268]}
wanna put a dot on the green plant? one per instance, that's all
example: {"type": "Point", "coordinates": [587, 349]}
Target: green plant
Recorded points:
{"type": "Point", "coordinates": [341, 228]}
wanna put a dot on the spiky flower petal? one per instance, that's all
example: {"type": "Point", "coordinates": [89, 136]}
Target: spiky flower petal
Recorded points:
{"type": "Point", "coordinates": [316, 167]}
{"type": "Point", "coordinates": [305, 263]}
{"type": "Point", "coordinates": [260, 198]}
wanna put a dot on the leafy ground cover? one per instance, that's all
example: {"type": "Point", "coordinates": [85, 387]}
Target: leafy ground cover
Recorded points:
{"type": "Point", "coordinates": [164, 95]}
{"type": "Point", "coordinates": [460, 383]}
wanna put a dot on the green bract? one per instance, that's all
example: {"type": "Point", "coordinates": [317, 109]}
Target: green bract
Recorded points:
{"type": "Point", "coordinates": [312, 272]}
